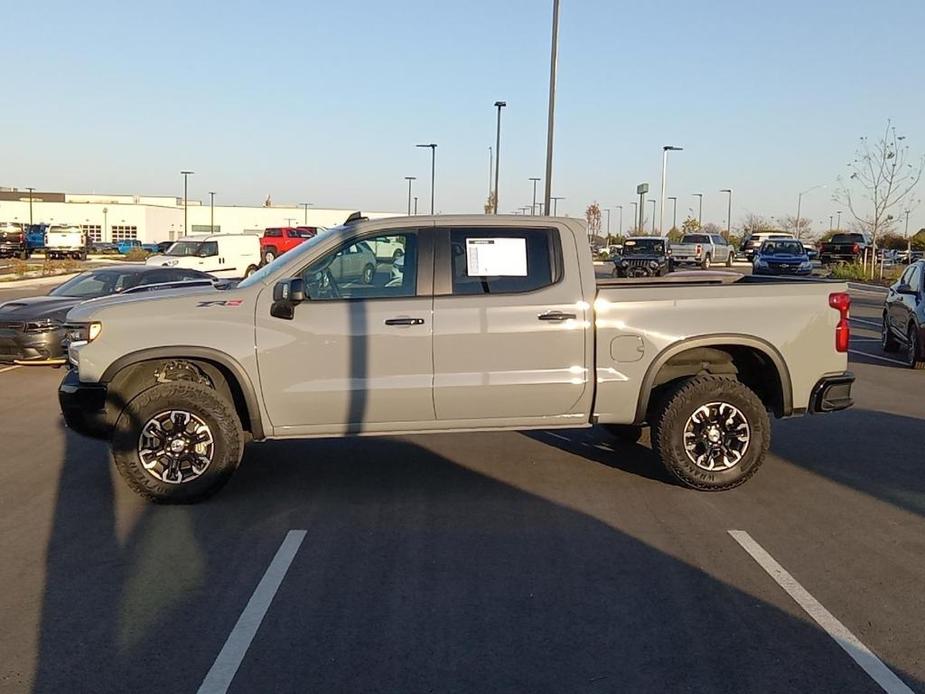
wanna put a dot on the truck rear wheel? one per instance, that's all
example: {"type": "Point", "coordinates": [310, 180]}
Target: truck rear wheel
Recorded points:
{"type": "Point", "coordinates": [705, 263]}
{"type": "Point", "coordinates": [711, 433]}
{"type": "Point", "coordinates": [177, 443]}
{"type": "Point", "coordinates": [269, 255]}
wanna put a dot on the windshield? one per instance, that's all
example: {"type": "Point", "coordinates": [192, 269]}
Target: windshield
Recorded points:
{"type": "Point", "coordinates": [644, 246]}
{"type": "Point", "coordinates": [263, 273]}
{"type": "Point", "coordinates": [97, 283]}
{"type": "Point", "coordinates": [695, 238]}
{"type": "Point", "coordinates": [200, 249]}
{"type": "Point", "coordinates": [63, 230]}
{"type": "Point", "coordinates": [782, 248]}
{"type": "Point", "coordinates": [848, 238]}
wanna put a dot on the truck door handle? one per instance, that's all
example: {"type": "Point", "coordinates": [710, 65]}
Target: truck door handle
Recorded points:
{"type": "Point", "coordinates": [404, 321]}
{"type": "Point", "coordinates": [556, 316]}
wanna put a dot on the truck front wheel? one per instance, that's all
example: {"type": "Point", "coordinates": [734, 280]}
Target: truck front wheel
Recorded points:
{"type": "Point", "coordinates": [711, 433]}
{"type": "Point", "coordinates": [177, 443]}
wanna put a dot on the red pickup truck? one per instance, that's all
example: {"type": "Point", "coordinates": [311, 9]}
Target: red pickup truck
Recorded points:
{"type": "Point", "coordinates": [277, 240]}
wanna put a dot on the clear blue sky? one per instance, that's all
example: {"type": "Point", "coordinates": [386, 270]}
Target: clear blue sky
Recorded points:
{"type": "Point", "coordinates": [324, 102]}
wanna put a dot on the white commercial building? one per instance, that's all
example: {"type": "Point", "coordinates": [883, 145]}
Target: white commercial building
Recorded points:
{"type": "Point", "coordinates": [152, 218]}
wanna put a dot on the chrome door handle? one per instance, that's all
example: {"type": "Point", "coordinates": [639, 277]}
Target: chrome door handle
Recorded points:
{"type": "Point", "coordinates": [556, 316]}
{"type": "Point", "coordinates": [404, 321]}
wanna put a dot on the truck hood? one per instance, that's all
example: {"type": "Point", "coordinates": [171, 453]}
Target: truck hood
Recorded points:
{"type": "Point", "coordinates": [38, 308]}
{"type": "Point", "coordinates": [155, 301]}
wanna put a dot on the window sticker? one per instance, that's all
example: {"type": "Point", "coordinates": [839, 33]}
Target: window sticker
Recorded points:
{"type": "Point", "coordinates": [505, 257]}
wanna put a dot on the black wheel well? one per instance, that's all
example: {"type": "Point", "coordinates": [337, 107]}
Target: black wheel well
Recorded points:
{"type": "Point", "coordinates": [749, 365]}
{"type": "Point", "coordinates": [138, 377]}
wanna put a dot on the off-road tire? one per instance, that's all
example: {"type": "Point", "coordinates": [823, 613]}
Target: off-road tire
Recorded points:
{"type": "Point", "coordinates": [914, 349]}
{"type": "Point", "coordinates": [200, 400]}
{"type": "Point", "coordinates": [673, 413]}
{"type": "Point", "coordinates": [888, 341]}
{"type": "Point", "coordinates": [626, 433]}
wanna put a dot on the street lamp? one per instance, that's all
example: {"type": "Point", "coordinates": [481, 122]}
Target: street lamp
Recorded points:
{"type": "Point", "coordinates": [800, 203]}
{"type": "Point", "coordinates": [653, 216]}
{"type": "Point", "coordinates": [211, 212]}
{"type": "Point", "coordinates": [105, 210]}
{"type": "Point", "coordinates": [550, 119]}
{"type": "Point", "coordinates": [499, 105]}
{"type": "Point", "coordinates": [415, 204]}
{"type": "Point", "coordinates": [607, 210]}
{"type": "Point", "coordinates": [838, 221]}
{"type": "Point", "coordinates": [305, 206]}
{"type": "Point", "coordinates": [533, 206]}
{"type": "Point", "coordinates": [661, 200]}
{"type": "Point", "coordinates": [620, 207]}
{"type": "Point", "coordinates": [186, 175]}
{"type": "Point", "coordinates": [635, 212]}
{"type": "Point", "coordinates": [409, 179]}
{"type": "Point", "coordinates": [555, 205]}
{"type": "Point", "coordinates": [433, 169]}
{"type": "Point", "coordinates": [30, 207]}
{"type": "Point", "coordinates": [831, 217]}
{"type": "Point", "coordinates": [728, 212]}
{"type": "Point", "coordinates": [699, 196]}
{"type": "Point", "coordinates": [674, 212]}
{"type": "Point", "coordinates": [908, 238]}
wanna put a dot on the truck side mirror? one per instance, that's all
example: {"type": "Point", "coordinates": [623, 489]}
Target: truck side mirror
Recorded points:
{"type": "Point", "coordinates": [905, 289]}
{"type": "Point", "coordinates": [287, 294]}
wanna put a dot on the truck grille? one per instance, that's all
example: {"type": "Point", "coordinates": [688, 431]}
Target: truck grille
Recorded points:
{"type": "Point", "coordinates": [638, 262]}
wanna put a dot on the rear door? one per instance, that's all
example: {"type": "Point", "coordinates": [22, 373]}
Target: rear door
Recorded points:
{"type": "Point", "coordinates": [510, 325]}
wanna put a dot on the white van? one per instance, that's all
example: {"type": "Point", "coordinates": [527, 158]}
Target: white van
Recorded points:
{"type": "Point", "coordinates": [221, 255]}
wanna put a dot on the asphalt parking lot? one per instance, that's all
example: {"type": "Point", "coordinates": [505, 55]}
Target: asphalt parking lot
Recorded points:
{"type": "Point", "coordinates": [541, 561]}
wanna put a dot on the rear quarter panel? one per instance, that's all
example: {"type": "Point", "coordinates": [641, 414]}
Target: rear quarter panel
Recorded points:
{"type": "Point", "coordinates": [638, 325]}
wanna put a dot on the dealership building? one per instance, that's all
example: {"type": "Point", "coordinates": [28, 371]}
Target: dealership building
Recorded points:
{"type": "Point", "coordinates": [153, 218]}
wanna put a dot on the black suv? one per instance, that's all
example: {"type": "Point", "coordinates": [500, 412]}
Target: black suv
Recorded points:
{"type": "Point", "coordinates": [643, 256]}
{"type": "Point", "coordinates": [904, 316]}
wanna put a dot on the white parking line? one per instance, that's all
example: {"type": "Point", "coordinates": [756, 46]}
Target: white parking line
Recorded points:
{"type": "Point", "coordinates": [877, 356]}
{"type": "Point", "coordinates": [850, 643]}
{"type": "Point", "coordinates": [9, 368]}
{"type": "Point", "coordinates": [239, 640]}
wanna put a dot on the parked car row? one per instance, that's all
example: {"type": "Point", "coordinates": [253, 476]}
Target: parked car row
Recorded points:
{"type": "Point", "coordinates": [655, 256]}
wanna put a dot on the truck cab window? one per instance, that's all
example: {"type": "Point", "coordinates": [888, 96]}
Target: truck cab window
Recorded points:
{"type": "Point", "coordinates": [356, 271]}
{"type": "Point", "coordinates": [542, 261]}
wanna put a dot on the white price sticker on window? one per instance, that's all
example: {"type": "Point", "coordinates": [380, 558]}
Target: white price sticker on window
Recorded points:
{"type": "Point", "coordinates": [496, 257]}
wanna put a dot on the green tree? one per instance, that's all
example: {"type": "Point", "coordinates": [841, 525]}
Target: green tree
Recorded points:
{"type": "Point", "coordinates": [690, 225]}
{"type": "Point", "coordinates": [593, 217]}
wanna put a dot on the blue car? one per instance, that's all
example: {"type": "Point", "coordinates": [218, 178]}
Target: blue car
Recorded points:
{"type": "Point", "coordinates": [782, 257]}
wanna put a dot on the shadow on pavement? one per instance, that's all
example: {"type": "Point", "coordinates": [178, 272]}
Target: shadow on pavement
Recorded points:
{"type": "Point", "coordinates": [418, 574]}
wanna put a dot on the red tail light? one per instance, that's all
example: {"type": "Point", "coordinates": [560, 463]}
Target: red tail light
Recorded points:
{"type": "Point", "coordinates": [856, 248]}
{"type": "Point", "coordinates": [699, 249]}
{"type": "Point", "coordinates": [841, 302]}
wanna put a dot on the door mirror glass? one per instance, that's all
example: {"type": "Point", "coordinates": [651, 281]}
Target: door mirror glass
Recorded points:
{"type": "Point", "coordinates": [904, 289]}
{"type": "Point", "coordinates": [287, 294]}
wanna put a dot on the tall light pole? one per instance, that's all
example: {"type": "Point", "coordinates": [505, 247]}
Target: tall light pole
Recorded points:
{"type": "Point", "coordinates": [415, 204]}
{"type": "Point", "coordinates": [186, 175]}
{"type": "Point", "coordinates": [305, 206]}
{"type": "Point", "coordinates": [661, 200]}
{"type": "Point", "coordinates": [499, 105]}
{"type": "Point", "coordinates": [838, 220]}
{"type": "Point", "coordinates": [433, 169]}
{"type": "Point", "coordinates": [491, 168]}
{"type": "Point", "coordinates": [831, 217]}
{"type": "Point", "coordinates": [550, 120]}
{"type": "Point", "coordinates": [533, 206]}
{"type": "Point", "coordinates": [620, 207]}
{"type": "Point", "coordinates": [607, 210]}
{"type": "Point", "coordinates": [211, 211]}
{"type": "Point", "coordinates": [653, 215]}
{"type": "Point", "coordinates": [728, 212]}
{"type": "Point", "coordinates": [674, 211]}
{"type": "Point", "coordinates": [635, 213]}
{"type": "Point", "coordinates": [555, 205]}
{"type": "Point", "coordinates": [409, 179]}
{"type": "Point", "coordinates": [699, 197]}
{"type": "Point", "coordinates": [800, 204]}
{"type": "Point", "coordinates": [105, 210]}
{"type": "Point", "coordinates": [30, 207]}
{"type": "Point", "coordinates": [908, 238]}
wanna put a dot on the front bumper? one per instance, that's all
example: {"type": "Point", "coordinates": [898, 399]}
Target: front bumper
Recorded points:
{"type": "Point", "coordinates": [18, 346]}
{"type": "Point", "coordinates": [84, 406]}
{"type": "Point", "coordinates": [832, 393]}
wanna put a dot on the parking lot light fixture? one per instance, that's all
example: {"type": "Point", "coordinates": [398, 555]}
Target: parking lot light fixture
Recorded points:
{"type": "Point", "coordinates": [433, 168]}
{"type": "Point", "coordinates": [674, 211]}
{"type": "Point", "coordinates": [410, 179]}
{"type": "Point", "coordinates": [661, 212]}
{"type": "Point", "coordinates": [620, 207]}
{"type": "Point", "coordinates": [305, 206]}
{"type": "Point", "coordinates": [635, 213]}
{"type": "Point", "coordinates": [533, 206]}
{"type": "Point", "coordinates": [800, 204]}
{"type": "Point", "coordinates": [555, 205]}
{"type": "Point", "coordinates": [211, 211]}
{"type": "Point", "coordinates": [699, 197]}
{"type": "Point", "coordinates": [30, 206]}
{"type": "Point", "coordinates": [728, 212]}
{"type": "Point", "coordinates": [498, 105]}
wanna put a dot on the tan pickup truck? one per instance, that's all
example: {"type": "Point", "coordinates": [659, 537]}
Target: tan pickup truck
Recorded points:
{"type": "Point", "coordinates": [481, 323]}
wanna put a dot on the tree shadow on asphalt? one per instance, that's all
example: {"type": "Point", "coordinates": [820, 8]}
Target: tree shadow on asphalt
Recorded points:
{"type": "Point", "coordinates": [418, 574]}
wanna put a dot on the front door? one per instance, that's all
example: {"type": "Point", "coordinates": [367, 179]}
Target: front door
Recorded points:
{"type": "Point", "coordinates": [357, 355]}
{"type": "Point", "coordinates": [510, 327]}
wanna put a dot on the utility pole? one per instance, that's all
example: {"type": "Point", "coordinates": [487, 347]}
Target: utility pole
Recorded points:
{"type": "Point", "coordinates": [699, 196]}
{"type": "Point", "coordinates": [550, 120]}
{"type": "Point", "coordinates": [211, 212]}
{"type": "Point", "coordinates": [499, 105]}
{"type": "Point", "coordinates": [305, 206]}
{"type": "Point", "coordinates": [533, 207]}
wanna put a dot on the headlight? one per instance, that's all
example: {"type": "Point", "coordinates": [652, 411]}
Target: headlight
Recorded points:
{"type": "Point", "coordinates": [806, 265]}
{"type": "Point", "coordinates": [82, 333]}
{"type": "Point", "coordinates": [760, 262]}
{"type": "Point", "coordinates": [42, 326]}
{"type": "Point", "coordinates": [653, 263]}
{"type": "Point", "coordinates": [624, 263]}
